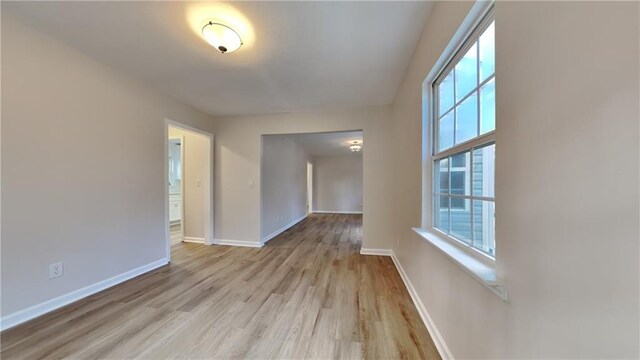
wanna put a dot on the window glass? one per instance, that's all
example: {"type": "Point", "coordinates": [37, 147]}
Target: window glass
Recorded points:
{"type": "Point", "coordinates": [488, 107]}
{"type": "Point", "coordinates": [466, 73]}
{"type": "Point", "coordinates": [484, 226]}
{"type": "Point", "coordinates": [445, 130]}
{"type": "Point", "coordinates": [484, 163]}
{"type": "Point", "coordinates": [442, 176]}
{"type": "Point", "coordinates": [441, 218]}
{"type": "Point", "coordinates": [461, 220]}
{"type": "Point", "coordinates": [445, 93]}
{"type": "Point", "coordinates": [467, 119]}
{"type": "Point", "coordinates": [487, 53]}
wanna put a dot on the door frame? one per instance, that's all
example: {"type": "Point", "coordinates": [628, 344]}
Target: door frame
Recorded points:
{"type": "Point", "coordinates": [209, 191]}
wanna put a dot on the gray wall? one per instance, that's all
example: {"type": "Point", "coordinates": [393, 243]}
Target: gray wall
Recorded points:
{"type": "Point", "coordinates": [337, 183]}
{"type": "Point", "coordinates": [284, 183]}
{"type": "Point", "coordinates": [83, 175]}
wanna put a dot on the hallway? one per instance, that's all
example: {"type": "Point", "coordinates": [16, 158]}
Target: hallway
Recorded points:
{"type": "Point", "coordinates": [307, 293]}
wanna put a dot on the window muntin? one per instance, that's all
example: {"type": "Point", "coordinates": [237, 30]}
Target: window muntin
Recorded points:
{"type": "Point", "coordinates": [464, 143]}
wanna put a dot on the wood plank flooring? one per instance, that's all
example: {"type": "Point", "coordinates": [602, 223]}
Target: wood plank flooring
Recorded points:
{"type": "Point", "coordinates": [175, 232]}
{"type": "Point", "coordinates": [307, 294]}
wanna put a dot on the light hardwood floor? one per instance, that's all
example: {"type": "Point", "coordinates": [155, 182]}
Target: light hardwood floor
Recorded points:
{"type": "Point", "coordinates": [175, 232]}
{"type": "Point", "coordinates": [307, 294]}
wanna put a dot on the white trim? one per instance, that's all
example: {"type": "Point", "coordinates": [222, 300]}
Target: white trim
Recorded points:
{"type": "Point", "coordinates": [282, 229]}
{"type": "Point", "coordinates": [480, 266]}
{"type": "Point", "coordinates": [336, 212]}
{"type": "Point", "coordinates": [34, 311]}
{"type": "Point", "coordinates": [437, 338]}
{"type": "Point", "coordinates": [378, 252]}
{"type": "Point", "coordinates": [244, 243]}
{"type": "Point", "coordinates": [197, 240]}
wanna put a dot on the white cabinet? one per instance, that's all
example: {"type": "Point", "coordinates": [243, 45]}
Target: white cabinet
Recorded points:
{"type": "Point", "coordinates": [175, 207]}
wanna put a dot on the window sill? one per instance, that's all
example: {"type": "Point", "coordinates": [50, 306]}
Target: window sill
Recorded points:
{"type": "Point", "coordinates": [482, 271]}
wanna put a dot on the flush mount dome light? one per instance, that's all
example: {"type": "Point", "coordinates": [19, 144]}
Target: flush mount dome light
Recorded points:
{"type": "Point", "coordinates": [221, 37]}
{"type": "Point", "coordinates": [355, 146]}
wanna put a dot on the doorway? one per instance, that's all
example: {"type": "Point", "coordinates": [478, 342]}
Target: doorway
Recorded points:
{"type": "Point", "coordinates": [176, 188]}
{"type": "Point", "coordinates": [310, 174]}
{"type": "Point", "coordinates": [188, 185]}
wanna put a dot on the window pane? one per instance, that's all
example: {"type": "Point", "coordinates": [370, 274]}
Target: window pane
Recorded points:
{"type": "Point", "coordinates": [467, 119]}
{"type": "Point", "coordinates": [488, 107]}
{"type": "Point", "coordinates": [442, 176]}
{"type": "Point", "coordinates": [460, 179]}
{"type": "Point", "coordinates": [445, 132]}
{"type": "Point", "coordinates": [487, 52]}
{"type": "Point", "coordinates": [461, 219]}
{"type": "Point", "coordinates": [484, 169]}
{"type": "Point", "coordinates": [467, 73]}
{"type": "Point", "coordinates": [445, 93]}
{"type": "Point", "coordinates": [484, 237]}
{"type": "Point", "coordinates": [441, 213]}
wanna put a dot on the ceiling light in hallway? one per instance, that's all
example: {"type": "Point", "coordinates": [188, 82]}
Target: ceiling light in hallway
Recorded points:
{"type": "Point", "coordinates": [355, 146]}
{"type": "Point", "coordinates": [221, 37]}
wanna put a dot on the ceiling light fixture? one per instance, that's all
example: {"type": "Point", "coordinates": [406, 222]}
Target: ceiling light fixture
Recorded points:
{"type": "Point", "coordinates": [221, 37]}
{"type": "Point", "coordinates": [355, 146]}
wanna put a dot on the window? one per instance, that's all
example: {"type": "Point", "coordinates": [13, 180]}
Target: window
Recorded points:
{"type": "Point", "coordinates": [463, 154]}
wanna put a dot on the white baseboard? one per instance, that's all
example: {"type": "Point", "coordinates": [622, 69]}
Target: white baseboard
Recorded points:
{"type": "Point", "coordinates": [34, 311]}
{"type": "Point", "coordinates": [282, 229]}
{"type": "Point", "coordinates": [245, 243]}
{"type": "Point", "coordinates": [379, 252]}
{"type": "Point", "coordinates": [438, 340]}
{"type": "Point", "coordinates": [335, 212]}
{"type": "Point", "coordinates": [196, 240]}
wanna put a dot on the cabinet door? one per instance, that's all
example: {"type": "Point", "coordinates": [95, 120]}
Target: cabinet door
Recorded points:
{"type": "Point", "coordinates": [175, 210]}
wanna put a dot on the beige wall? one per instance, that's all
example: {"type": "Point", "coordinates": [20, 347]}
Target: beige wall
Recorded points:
{"type": "Point", "coordinates": [337, 183]}
{"type": "Point", "coordinates": [237, 161]}
{"type": "Point", "coordinates": [567, 185]}
{"type": "Point", "coordinates": [284, 183]}
{"type": "Point", "coordinates": [196, 178]}
{"type": "Point", "coordinates": [83, 168]}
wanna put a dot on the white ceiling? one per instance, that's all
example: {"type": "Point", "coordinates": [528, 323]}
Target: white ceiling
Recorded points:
{"type": "Point", "coordinates": [297, 55]}
{"type": "Point", "coordinates": [329, 143]}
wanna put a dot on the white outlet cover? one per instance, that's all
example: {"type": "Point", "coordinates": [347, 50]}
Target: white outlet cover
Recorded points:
{"type": "Point", "coordinates": [56, 270]}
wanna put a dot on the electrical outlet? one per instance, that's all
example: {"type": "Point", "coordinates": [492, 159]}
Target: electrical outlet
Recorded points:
{"type": "Point", "coordinates": [56, 270]}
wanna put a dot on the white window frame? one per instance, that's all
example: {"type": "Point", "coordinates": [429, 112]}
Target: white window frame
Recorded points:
{"type": "Point", "coordinates": [480, 17]}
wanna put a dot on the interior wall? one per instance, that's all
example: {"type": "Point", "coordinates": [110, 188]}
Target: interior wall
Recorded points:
{"type": "Point", "coordinates": [83, 153]}
{"type": "Point", "coordinates": [567, 176]}
{"type": "Point", "coordinates": [284, 183]}
{"type": "Point", "coordinates": [237, 162]}
{"type": "Point", "coordinates": [197, 174]}
{"type": "Point", "coordinates": [337, 183]}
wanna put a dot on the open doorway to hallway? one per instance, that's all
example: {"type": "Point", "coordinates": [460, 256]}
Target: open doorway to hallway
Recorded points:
{"type": "Point", "coordinates": [307, 174]}
{"type": "Point", "coordinates": [189, 185]}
